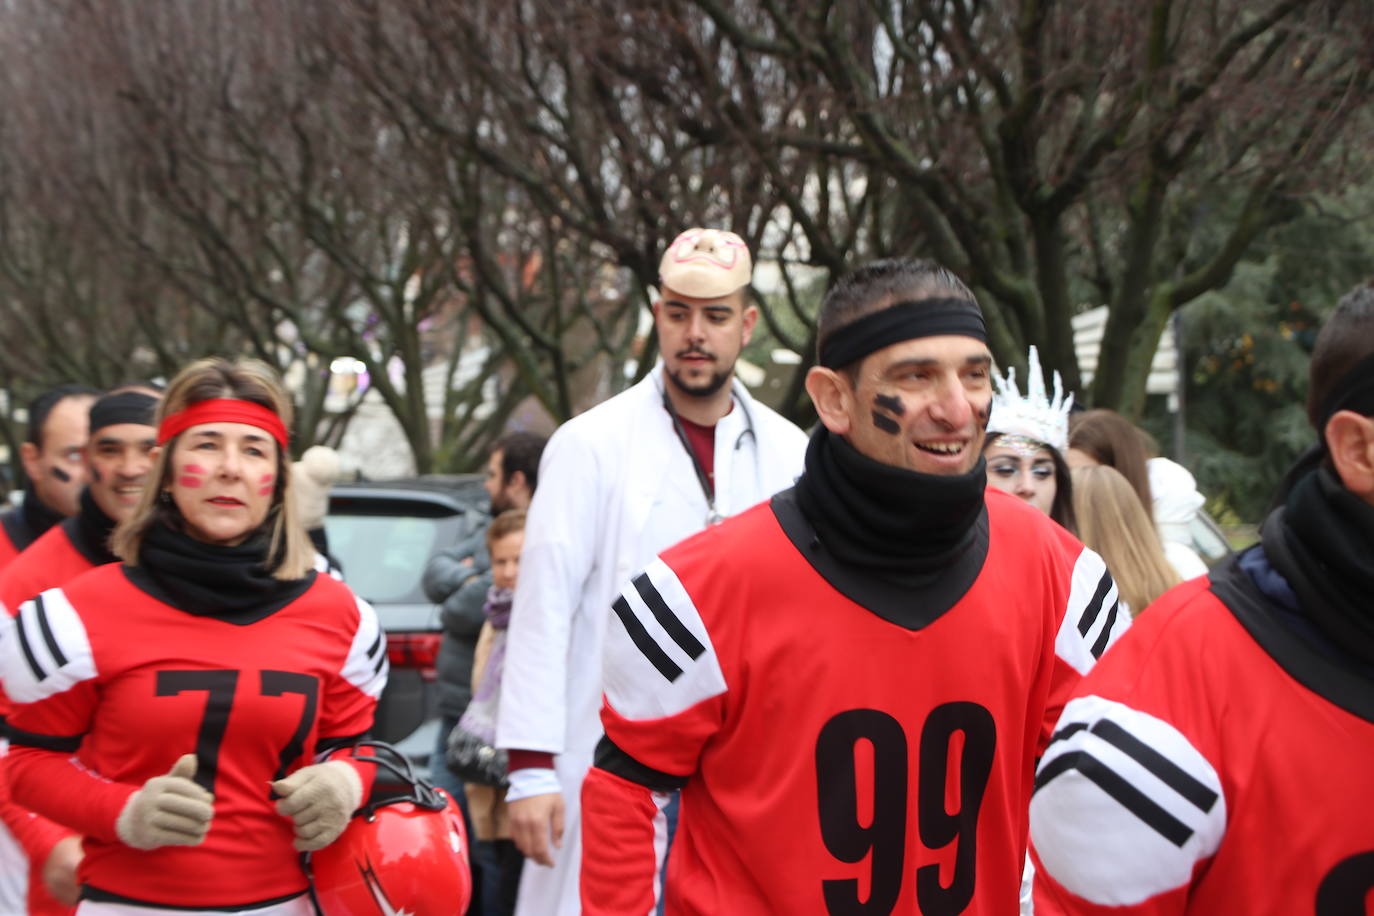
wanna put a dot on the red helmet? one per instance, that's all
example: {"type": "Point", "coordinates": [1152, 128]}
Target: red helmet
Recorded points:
{"type": "Point", "coordinates": [404, 854]}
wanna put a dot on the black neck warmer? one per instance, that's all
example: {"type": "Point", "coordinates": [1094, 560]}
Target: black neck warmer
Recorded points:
{"type": "Point", "coordinates": [89, 531]}
{"type": "Point", "coordinates": [38, 516]}
{"type": "Point", "coordinates": [900, 524]}
{"type": "Point", "coordinates": [209, 580]}
{"type": "Point", "coordinates": [1322, 542]}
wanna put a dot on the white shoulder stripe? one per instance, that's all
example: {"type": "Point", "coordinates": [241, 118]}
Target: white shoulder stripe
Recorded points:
{"type": "Point", "coordinates": [44, 650]}
{"type": "Point", "coordinates": [1095, 617]}
{"type": "Point", "coordinates": [659, 661]}
{"type": "Point", "coordinates": [324, 565]}
{"type": "Point", "coordinates": [366, 666]}
{"type": "Point", "coordinates": [1124, 806]}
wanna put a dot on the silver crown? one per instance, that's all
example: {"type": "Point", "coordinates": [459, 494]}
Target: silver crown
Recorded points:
{"type": "Point", "coordinates": [1034, 416]}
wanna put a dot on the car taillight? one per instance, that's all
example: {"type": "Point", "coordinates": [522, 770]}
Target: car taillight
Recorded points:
{"type": "Point", "coordinates": [414, 650]}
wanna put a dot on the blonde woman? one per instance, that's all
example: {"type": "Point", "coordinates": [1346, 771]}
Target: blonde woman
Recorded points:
{"type": "Point", "coordinates": [170, 708]}
{"type": "Point", "coordinates": [1113, 522]}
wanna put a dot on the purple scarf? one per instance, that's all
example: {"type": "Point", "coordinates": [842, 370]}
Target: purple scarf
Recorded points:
{"type": "Point", "coordinates": [480, 718]}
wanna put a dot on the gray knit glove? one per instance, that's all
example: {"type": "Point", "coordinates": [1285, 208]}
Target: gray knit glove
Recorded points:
{"type": "Point", "coordinates": [169, 810]}
{"type": "Point", "coordinates": [320, 799]}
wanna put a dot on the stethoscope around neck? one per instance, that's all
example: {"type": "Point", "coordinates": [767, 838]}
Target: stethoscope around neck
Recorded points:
{"type": "Point", "coordinates": [713, 517]}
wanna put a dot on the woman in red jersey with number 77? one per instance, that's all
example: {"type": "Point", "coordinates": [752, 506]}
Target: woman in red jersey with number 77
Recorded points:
{"type": "Point", "coordinates": [176, 709]}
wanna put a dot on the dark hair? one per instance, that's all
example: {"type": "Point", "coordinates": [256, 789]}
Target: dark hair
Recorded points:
{"type": "Point", "coordinates": [1113, 440]}
{"type": "Point", "coordinates": [1345, 339]}
{"type": "Point", "coordinates": [520, 452]}
{"type": "Point", "coordinates": [508, 522]}
{"type": "Point", "coordinates": [41, 406]}
{"type": "Point", "coordinates": [139, 384]}
{"type": "Point", "coordinates": [876, 286]}
{"type": "Point", "coordinates": [1061, 510]}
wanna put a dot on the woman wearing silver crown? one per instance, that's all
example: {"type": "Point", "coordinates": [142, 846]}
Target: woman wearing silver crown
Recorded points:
{"type": "Point", "coordinates": [1026, 440]}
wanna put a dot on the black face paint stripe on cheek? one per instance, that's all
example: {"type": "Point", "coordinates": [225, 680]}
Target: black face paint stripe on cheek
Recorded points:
{"type": "Point", "coordinates": [890, 402]}
{"type": "Point", "coordinates": [96, 476]}
{"type": "Point", "coordinates": [886, 424]}
{"type": "Point", "coordinates": [60, 474]}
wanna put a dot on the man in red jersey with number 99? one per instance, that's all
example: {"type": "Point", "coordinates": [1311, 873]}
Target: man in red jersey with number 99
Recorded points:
{"type": "Point", "coordinates": [850, 684]}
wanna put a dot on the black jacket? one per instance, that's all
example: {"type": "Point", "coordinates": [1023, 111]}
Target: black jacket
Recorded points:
{"type": "Point", "coordinates": [457, 580]}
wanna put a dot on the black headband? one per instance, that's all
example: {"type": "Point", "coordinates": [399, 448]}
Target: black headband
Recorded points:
{"type": "Point", "coordinates": [1355, 391]}
{"type": "Point", "coordinates": [900, 321]}
{"type": "Point", "coordinates": [123, 407]}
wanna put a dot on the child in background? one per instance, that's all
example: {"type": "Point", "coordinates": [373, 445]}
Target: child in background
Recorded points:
{"type": "Point", "coordinates": [487, 805]}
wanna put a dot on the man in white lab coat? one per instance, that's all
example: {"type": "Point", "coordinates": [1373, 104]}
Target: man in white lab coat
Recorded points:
{"type": "Point", "coordinates": [623, 481]}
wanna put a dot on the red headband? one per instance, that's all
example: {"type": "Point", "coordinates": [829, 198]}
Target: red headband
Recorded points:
{"type": "Point", "coordinates": [222, 410]}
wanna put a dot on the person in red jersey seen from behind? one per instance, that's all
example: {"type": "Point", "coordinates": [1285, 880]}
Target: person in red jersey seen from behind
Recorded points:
{"type": "Point", "coordinates": [851, 682]}
{"type": "Point", "coordinates": [175, 709]}
{"type": "Point", "coordinates": [1218, 760]}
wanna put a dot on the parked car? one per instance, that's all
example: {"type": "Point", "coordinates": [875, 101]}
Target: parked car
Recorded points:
{"type": "Point", "coordinates": [382, 533]}
{"type": "Point", "coordinates": [1209, 541]}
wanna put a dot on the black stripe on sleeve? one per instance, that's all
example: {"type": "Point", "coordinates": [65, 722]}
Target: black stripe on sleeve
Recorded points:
{"type": "Point", "coordinates": [376, 644]}
{"type": "Point", "coordinates": [1068, 731]}
{"type": "Point", "coordinates": [1100, 644]}
{"type": "Point", "coordinates": [1104, 585]}
{"type": "Point", "coordinates": [612, 759]}
{"type": "Point", "coordinates": [48, 636]}
{"type": "Point", "coordinates": [38, 673]}
{"type": "Point", "coordinates": [1127, 795]}
{"type": "Point", "coordinates": [67, 744]}
{"type": "Point", "coordinates": [644, 642]}
{"type": "Point", "coordinates": [1169, 773]}
{"type": "Point", "coordinates": [667, 619]}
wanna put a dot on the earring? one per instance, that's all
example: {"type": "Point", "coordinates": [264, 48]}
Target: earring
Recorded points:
{"type": "Point", "coordinates": [165, 497]}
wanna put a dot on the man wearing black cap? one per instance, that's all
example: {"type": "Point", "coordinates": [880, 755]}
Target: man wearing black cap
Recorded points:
{"type": "Point", "coordinates": [1219, 760]}
{"type": "Point", "coordinates": [850, 684]}
{"type": "Point", "coordinates": [117, 459]}
{"type": "Point", "coordinates": [52, 461]}
{"type": "Point", "coordinates": [116, 462]}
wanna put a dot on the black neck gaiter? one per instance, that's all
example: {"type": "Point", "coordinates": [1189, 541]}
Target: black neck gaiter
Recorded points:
{"type": "Point", "coordinates": [37, 514]}
{"type": "Point", "coordinates": [90, 531]}
{"type": "Point", "coordinates": [209, 580]}
{"type": "Point", "coordinates": [1322, 542]}
{"type": "Point", "coordinates": [897, 523]}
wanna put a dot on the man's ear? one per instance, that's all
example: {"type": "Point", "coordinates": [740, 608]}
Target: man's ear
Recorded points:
{"type": "Point", "coordinates": [518, 481]}
{"type": "Point", "coordinates": [1350, 441]}
{"type": "Point", "coordinates": [28, 453]}
{"type": "Point", "coordinates": [749, 318]}
{"type": "Point", "coordinates": [833, 397]}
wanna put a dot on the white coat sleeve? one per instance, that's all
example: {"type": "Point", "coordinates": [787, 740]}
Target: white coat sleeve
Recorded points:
{"type": "Point", "coordinates": [562, 533]}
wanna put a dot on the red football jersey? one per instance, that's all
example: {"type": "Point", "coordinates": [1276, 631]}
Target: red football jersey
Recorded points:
{"type": "Point", "coordinates": [1213, 763]}
{"type": "Point", "coordinates": [8, 550]}
{"type": "Point", "coordinates": [836, 759]}
{"type": "Point", "coordinates": [49, 561]}
{"type": "Point", "coordinates": [110, 686]}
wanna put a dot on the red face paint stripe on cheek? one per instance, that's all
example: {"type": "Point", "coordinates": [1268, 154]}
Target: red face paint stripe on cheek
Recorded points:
{"type": "Point", "coordinates": [194, 483]}
{"type": "Point", "coordinates": [267, 478]}
{"type": "Point", "coordinates": [265, 491]}
{"type": "Point", "coordinates": [195, 469]}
